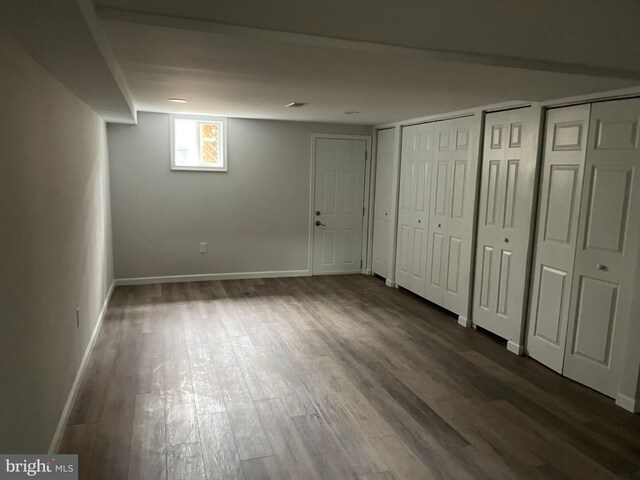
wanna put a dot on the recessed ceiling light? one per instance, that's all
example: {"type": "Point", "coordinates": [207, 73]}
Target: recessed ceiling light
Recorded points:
{"type": "Point", "coordinates": [177, 100]}
{"type": "Point", "coordinates": [351, 112]}
{"type": "Point", "coordinates": [296, 104]}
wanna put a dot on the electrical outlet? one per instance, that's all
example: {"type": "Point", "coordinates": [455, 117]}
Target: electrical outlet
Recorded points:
{"type": "Point", "coordinates": [203, 247]}
{"type": "Point", "coordinates": [77, 318]}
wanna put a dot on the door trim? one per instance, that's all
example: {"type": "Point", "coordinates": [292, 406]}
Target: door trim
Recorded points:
{"type": "Point", "coordinates": [366, 200]}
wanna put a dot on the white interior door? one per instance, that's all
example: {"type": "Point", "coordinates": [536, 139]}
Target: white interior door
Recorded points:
{"type": "Point", "coordinates": [451, 213]}
{"type": "Point", "coordinates": [563, 165]}
{"type": "Point", "coordinates": [460, 199]}
{"type": "Point", "coordinates": [504, 222]}
{"type": "Point", "coordinates": [338, 205]}
{"type": "Point", "coordinates": [439, 212]}
{"type": "Point", "coordinates": [383, 203]}
{"type": "Point", "coordinates": [417, 148]}
{"type": "Point", "coordinates": [607, 248]}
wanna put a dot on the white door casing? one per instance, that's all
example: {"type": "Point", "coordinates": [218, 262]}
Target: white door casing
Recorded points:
{"type": "Point", "coordinates": [607, 250]}
{"type": "Point", "coordinates": [565, 144]}
{"type": "Point", "coordinates": [383, 201]}
{"type": "Point", "coordinates": [339, 197]}
{"type": "Point", "coordinates": [413, 206]}
{"type": "Point", "coordinates": [504, 223]}
{"type": "Point", "coordinates": [451, 212]}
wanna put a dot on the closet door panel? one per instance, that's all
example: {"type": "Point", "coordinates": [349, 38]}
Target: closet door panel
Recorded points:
{"type": "Point", "coordinates": [506, 199]}
{"type": "Point", "coordinates": [417, 147]}
{"type": "Point", "coordinates": [383, 203]}
{"type": "Point", "coordinates": [563, 165]}
{"type": "Point", "coordinates": [460, 213]}
{"type": "Point", "coordinates": [607, 248]}
{"type": "Point", "coordinates": [439, 211]}
{"type": "Point", "coordinates": [487, 258]}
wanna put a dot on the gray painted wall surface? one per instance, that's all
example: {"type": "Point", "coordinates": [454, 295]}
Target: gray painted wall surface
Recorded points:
{"type": "Point", "coordinates": [255, 218]}
{"type": "Point", "coordinates": [55, 245]}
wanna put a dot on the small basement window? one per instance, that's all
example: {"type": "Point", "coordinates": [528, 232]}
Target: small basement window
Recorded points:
{"type": "Point", "coordinates": [198, 143]}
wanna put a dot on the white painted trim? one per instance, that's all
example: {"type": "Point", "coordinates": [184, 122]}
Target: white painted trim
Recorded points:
{"type": "Point", "coordinates": [57, 436]}
{"type": "Point", "coordinates": [516, 348]}
{"type": "Point", "coordinates": [355, 272]}
{"type": "Point", "coordinates": [467, 112]}
{"type": "Point", "coordinates": [389, 283]}
{"type": "Point", "coordinates": [366, 191]}
{"type": "Point", "coordinates": [465, 322]}
{"type": "Point", "coordinates": [395, 201]}
{"type": "Point", "coordinates": [592, 97]}
{"type": "Point", "coordinates": [372, 157]}
{"type": "Point", "coordinates": [627, 403]}
{"type": "Point", "coordinates": [211, 276]}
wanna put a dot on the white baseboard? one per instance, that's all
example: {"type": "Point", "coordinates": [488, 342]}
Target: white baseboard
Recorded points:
{"type": "Point", "coordinates": [57, 436]}
{"type": "Point", "coordinates": [368, 271]}
{"type": "Point", "coordinates": [465, 322]}
{"type": "Point", "coordinates": [211, 276]}
{"type": "Point", "coordinates": [389, 283]}
{"type": "Point", "coordinates": [627, 403]}
{"type": "Point", "coordinates": [515, 348]}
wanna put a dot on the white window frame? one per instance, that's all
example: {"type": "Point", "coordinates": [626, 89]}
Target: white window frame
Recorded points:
{"type": "Point", "coordinates": [204, 119]}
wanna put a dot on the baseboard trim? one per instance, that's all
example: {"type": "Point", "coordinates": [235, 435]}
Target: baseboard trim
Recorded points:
{"type": "Point", "coordinates": [389, 283]}
{"type": "Point", "coordinates": [211, 276]}
{"type": "Point", "coordinates": [465, 322]}
{"type": "Point", "coordinates": [515, 347]}
{"type": "Point", "coordinates": [627, 403]}
{"type": "Point", "coordinates": [57, 436]}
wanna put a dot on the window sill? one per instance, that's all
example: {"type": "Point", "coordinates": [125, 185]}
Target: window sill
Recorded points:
{"type": "Point", "coordinates": [200, 169]}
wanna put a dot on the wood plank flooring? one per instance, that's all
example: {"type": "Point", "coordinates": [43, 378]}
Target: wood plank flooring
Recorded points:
{"type": "Point", "coordinates": [330, 377]}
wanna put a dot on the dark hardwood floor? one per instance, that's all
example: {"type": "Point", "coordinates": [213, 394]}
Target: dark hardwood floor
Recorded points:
{"type": "Point", "coordinates": [333, 377]}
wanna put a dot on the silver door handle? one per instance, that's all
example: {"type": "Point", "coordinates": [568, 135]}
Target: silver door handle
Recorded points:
{"type": "Point", "coordinates": [320, 224]}
{"type": "Point", "coordinates": [604, 268]}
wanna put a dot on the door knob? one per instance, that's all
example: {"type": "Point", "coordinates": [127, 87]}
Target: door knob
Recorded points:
{"type": "Point", "coordinates": [320, 224]}
{"type": "Point", "coordinates": [439, 225]}
{"type": "Point", "coordinates": [604, 268]}
{"type": "Point", "coordinates": [318, 213]}
{"type": "Point", "coordinates": [506, 240]}
{"type": "Point", "coordinates": [419, 221]}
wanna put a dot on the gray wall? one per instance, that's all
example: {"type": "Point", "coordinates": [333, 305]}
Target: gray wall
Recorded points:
{"type": "Point", "coordinates": [255, 218]}
{"type": "Point", "coordinates": [55, 246]}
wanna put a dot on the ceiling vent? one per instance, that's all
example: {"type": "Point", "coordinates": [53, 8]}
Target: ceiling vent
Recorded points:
{"type": "Point", "coordinates": [296, 104]}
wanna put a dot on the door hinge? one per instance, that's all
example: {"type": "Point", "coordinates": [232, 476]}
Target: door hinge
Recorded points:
{"type": "Point", "coordinates": [366, 155]}
{"type": "Point", "coordinates": [360, 263]}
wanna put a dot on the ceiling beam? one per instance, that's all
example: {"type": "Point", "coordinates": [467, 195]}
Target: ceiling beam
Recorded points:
{"type": "Point", "coordinates": [66, 38]}
{"type": "Point", "coordinates": [361, 46]}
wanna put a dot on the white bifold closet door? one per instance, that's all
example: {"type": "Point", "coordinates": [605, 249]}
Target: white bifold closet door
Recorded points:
{"type": "Point", "coordinates": [588, 242]}
{"type": "Point", "coordinates": [608, 245]}
{"type": "Point", "coordinates": [560, 192]}
{"type": "Point", "coordinates": [383, 203]}
{"type": "Point", "coordinates": [451, 210]}
{"type": "Point", "coordinates": [504, 223]}
{"type": "Point", "coordinates": [416, 153]}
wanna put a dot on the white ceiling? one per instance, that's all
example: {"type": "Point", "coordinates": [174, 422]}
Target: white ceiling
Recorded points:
{"type": "Point", "coordinates": [388, 60]}
{"type": "Point", "coordinates": [247, 76]}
